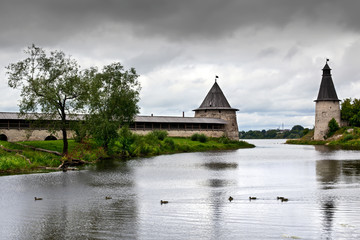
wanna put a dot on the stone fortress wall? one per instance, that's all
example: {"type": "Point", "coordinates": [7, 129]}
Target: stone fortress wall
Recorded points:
{"type": "Point", "coordinates": [231, 128]}
{"type": "Point", "coordinates": [324, 112]}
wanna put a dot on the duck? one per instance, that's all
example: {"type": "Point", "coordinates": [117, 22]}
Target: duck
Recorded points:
{"type": "Point", "coordinates": [108, 197]}
{"type": "Point", "coordinates": [163, 202]}
{"type": "Point", "coordinates": [231, 198]}
{"type": "Point", "coordinates": [38, 198]}
{"type": "Point", "coordinates": [252, 198]}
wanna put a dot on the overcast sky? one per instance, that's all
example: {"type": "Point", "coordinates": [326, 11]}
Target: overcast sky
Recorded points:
{"type": "Point", "coordinates": [268, 54]}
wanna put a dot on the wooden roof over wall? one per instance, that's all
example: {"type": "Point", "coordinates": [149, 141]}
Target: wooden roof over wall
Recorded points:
{"type": "Point", "coordinates": [148, 119]}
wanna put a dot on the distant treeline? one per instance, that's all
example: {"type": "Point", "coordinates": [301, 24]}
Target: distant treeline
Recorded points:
{"type": "Point", "coordinates": [296, 132]}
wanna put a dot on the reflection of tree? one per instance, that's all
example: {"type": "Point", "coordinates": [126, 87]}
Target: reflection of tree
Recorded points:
{"type": "Point", "coordinates": [328, 171]}
{"type": "Point", "coordinates": [324, 150]}
{"type": "Point", "coordinates": [351, 168]}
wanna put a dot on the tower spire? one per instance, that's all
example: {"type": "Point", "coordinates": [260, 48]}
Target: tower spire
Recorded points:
{"type": "Point", "coordinates": [327, 90]}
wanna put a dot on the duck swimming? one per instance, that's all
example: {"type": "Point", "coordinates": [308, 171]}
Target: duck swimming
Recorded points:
{"type": "Point", "coordinates": [231, 198]}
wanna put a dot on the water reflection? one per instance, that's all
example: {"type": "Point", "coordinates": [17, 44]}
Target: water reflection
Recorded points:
{"type": "Point", "coordinates": [331, 174]}
{"type": "Point", "coordinates": [323, 187]}
{"type": "Point", "coordinates": [220, 165]}
{"type": "Point", "coordinates": [328, 172]}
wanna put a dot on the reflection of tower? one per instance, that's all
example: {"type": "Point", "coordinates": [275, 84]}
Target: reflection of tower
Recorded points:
{"type": "Point", "coordinates": [327, 105]}
{"type": "Point", "coordinates": [328, 172]}
{"type": "Point", "coordinates": [215, 105]}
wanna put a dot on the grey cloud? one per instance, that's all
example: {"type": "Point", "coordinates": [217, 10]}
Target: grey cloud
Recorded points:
{"type": "Point", "coordinates": [149, 61]}
{"type": "Point", "coordinates": [176, 20]}
{"type": "Point", "coordinates": [268, 52]}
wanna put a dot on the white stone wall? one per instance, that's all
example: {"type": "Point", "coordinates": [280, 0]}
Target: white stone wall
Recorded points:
{"type": "Point", "coordinates": [15, 135]}
{"type": "Point", "coordinates": [231, 129]}
{"type": "Point", "coordinates": [324, 112]}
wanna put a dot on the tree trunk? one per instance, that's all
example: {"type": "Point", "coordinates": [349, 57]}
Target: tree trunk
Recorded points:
{"type": "Point", "coordinates": [63, 129]}
{"type": "Point", "coordinates": [65, 141]}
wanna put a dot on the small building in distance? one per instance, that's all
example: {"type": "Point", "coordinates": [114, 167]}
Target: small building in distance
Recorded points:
{"type": "Point", "coordinates": [327, 105]}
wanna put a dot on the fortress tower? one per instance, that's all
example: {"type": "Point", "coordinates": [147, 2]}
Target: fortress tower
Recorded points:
{"type": "Point", "coordinates": [327, 105]}
{"type": "Point", "coordinates": [215, 105]}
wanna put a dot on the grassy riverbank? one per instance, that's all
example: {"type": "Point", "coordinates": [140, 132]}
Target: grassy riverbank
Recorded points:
{"type": "Point", "coordinates": [344, 138]}
{"type": "Point", "coordinates": [26, 160]}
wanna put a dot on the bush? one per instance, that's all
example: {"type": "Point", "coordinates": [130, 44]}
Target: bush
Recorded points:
{"type": "Point", "coordinates": [348, 137]}
{"type": "Point", "coordinates": [333, 127]}
{"type": "Point", "coordinates": [170, 143]}
{"type": "Point", "coordinates": [224, 140]}
{"type": "Point", "coordinates": [125, 140]}
{"type": "Point", "coordinates": [194, 137]}
{"type": "Point", "coordinates": [160, 134]}
{"type": "Point", "coordinates": [199, 137]}
{"type": "Point", "coordinates": [202, 138]}
{"type": "Point", "coordinates": [80, 132]}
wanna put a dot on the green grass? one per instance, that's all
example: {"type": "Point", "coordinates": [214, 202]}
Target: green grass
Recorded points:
{"type": "Point", "coordinates": [53, 145]}
{"type": "Point", "coordinates": [12, 162]}
{"type": "Point", "coordinates": [137, 146]}
{"type": "Point", "coordinates": [144, 146]}
{"type": "Point", "coordinates": [305, 142]}
{"type": "Point", "coordinates": [349, 139]}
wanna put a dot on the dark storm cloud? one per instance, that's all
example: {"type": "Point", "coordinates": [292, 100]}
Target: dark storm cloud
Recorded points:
{"type": "Point", "coordinates": [177, 20]}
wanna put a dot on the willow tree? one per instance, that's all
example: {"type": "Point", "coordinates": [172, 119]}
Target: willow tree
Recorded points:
{"type": "Point", "coordinates": [113, 102]}
{"type": "Point", "coordinates": [50, 83]}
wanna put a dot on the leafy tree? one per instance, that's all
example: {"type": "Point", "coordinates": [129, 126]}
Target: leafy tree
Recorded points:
{"type": "Point", "coordinates": [333, 127]}
{"type": "Point", "coordinates": [347, 110]}
{"type": "Point", "coordinates": [271, 134]}
{"type": "Point", "coordinates": [305, 131]}
{"type": "Point", "coordinates": [350, 111]}
{"type": "Point", "coordinates": [113, 99]}
{"type": "Point", "coordinates": [297, 128]}
{"type": "Point", "coordinates": [51, 83]}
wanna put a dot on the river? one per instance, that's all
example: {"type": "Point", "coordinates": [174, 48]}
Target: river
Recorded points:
{"type": "Point", "coordinates": [322, 185]}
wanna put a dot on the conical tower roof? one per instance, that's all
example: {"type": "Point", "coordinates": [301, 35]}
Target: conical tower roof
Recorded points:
{"type": "Point", "coordinates": [327, 89]}
{"type": "Point", "coordinates": [215, 100]}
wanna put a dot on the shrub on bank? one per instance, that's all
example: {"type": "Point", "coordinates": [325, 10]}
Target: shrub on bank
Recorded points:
{"type": "Point", "coordinates": [169, 142]}
{"type": "Point", "coordinates": [199, 137]}
{"type": "Point", "coordinates": [160, 134]}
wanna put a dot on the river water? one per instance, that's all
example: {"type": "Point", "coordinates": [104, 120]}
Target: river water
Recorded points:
{"type": "Point", "coordinates": [322, 185]}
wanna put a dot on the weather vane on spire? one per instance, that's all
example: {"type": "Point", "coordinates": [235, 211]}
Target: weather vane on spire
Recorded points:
{"type": "Point", "coordinates": [327, 60]}
{"type": "Point", "coordinates": [216, 77]}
